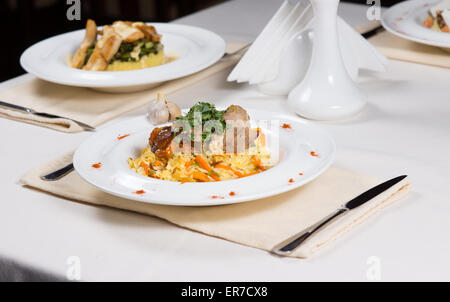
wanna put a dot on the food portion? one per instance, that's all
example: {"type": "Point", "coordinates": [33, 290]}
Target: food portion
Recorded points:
{"type": "Point", "coordinates": [118, 47]}
{"type": "Point", "coordinates": [439, 17]}
{"type": "Point", "coordinates": [205, 145]}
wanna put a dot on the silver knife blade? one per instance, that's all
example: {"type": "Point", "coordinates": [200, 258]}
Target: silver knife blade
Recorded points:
{"type": "Point", "coordinates": [46, 115]}
{"type": "Point", "coordinates": [291, 244]}
{"type": "Point", "coordinates": [375, 191]}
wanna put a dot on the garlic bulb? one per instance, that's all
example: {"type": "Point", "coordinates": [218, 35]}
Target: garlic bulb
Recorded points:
{"type": "Point", "coordinates": [161, 111]}
{"type": "Point", "coordinates": [174, 111]}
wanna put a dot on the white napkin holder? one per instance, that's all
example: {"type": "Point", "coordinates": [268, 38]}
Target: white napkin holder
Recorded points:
{"type": "Point", "coordinates": [282, 55]}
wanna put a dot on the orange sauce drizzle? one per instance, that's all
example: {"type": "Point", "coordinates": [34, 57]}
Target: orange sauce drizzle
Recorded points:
{"type": "Point", "coordinates": [313, 153]}
{"type": "Point", "coordinates": [122, 137]}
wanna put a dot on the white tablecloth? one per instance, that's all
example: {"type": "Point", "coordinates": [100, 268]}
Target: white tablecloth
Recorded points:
{"type": "Point", "coordinates": [405, 129]}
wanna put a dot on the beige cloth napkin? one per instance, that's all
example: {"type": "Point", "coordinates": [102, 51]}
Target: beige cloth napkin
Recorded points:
{"type": "Point", "coordinates": [397, 48]}
{"type": "Point", "coordinates": [261, 224]}
{"type": "Point", "coordinates": [89, 106]}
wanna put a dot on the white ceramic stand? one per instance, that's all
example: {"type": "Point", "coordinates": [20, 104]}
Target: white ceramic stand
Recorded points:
{"type": "Point", "coordinates": [327, 92]}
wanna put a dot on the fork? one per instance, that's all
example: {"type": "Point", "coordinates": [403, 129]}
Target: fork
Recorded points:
{"type": "Point", "coordinates": [58, 174]}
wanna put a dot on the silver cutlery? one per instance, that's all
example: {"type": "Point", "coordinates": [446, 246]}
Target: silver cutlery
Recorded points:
{"type": "Point", "coordinates": [372, 32]}
{"type": "Point", "coordinates": [290, 245]}
{"type": "Point", "coordinates": [42, 114]}
{"type": "Point", "coordinates": [57, 175]}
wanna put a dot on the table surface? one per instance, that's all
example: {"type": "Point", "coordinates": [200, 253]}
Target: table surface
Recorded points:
{"type": "Point", "coordinates": [404, 129]}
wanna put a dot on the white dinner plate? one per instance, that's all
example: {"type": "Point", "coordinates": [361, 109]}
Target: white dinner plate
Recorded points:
{"type": "Point", "coordinates": [196, 49]}
{"type": "Point", "coordinates": [296, 166]}
{"type": "Point", "coordinates": [406, 20]}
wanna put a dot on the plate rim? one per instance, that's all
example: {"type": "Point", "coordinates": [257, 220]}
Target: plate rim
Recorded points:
{"type": "Point", "coordinates": [215, 202]}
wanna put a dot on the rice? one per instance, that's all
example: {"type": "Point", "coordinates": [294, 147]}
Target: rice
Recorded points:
{"type": "Point", "coordinates": [183, 167]}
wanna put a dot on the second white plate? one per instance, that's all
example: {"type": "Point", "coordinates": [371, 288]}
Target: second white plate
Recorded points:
{"type": "Point", "coordinates": [305, 152]}
{"type": "Point", "coordinates": [195, 47]}
{"type": "Point", "coordinates": [406, 20]}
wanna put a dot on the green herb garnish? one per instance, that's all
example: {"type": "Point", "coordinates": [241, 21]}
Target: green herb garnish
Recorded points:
{"type": "Point", "coordinates": [202, 113]}
{"type": "Point", "coordinates": [89, 52]}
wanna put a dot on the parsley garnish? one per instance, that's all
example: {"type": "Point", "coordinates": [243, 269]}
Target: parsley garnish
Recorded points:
{"type": "Point", "coordinates": [200, 114]}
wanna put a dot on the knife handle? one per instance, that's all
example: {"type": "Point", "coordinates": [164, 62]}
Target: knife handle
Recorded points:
{"type": "Point", "coordinates": [15, 107]}
{"type": "Point", "coordinates": [290, 245]}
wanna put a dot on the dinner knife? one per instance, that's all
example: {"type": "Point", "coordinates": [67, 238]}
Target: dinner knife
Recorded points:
{"type": "Point", "coordinates": [42, 114]}
{"type": "Point", "coordinates": [290, 245]}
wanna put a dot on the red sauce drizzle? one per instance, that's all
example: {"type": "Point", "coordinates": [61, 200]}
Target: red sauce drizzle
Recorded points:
{"type": "Point", "coordinates": [301, 174]}
{"type": "Point", "coordinates": [217, 197]}
{"type": "Point", "coordinates": [313, 153]}
{"type": "Point", "coordinates": [232, 194]}
{"type": "Point", "coordinates": [122, 137]}
{"type": "Point", "coordinates": [286, 126]}
{"type": "Point", "coordinates": [291, 181]}
{"type": "Point", "coordinates": [140, 192]}
{"type": "Point", "coordinates": [97, 166]}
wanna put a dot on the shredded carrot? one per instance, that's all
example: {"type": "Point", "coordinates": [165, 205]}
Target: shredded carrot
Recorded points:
{"type": "Point", "coordinates": [214, 175]}
{"type": "Point", "coordinates": [158, 163]}
{"type": "Point", "coordinates": [262, 138]}
{"type": "Point", "coordinates": [237, 173]}
{"type": "Point", "coordinates": [201, 176]}
{"type": "Point", "coordinates": [258, 163]}
{"type": "Point", "coordinates": [145, 166]}
{"type": "Point", "coordinates": [189, 163]}
{"type": "Point", "coordinates": [250, 174]}
{"type": "Point", "coordinates": [204, 165]}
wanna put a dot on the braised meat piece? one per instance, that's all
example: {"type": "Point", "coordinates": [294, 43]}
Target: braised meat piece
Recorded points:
{"type": "Point", "coordinates": [239, 134]}
{"type": "Point", "coordinates": [160, 141]}
{"type": "Point", "coordinates": [89, 39]}
{"type": "Point", "coordinates": [236, 113]}
{"type": "Point", "coordinates": [104, 51]}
